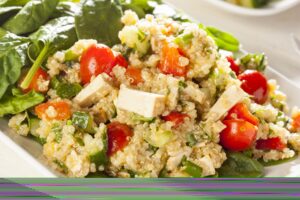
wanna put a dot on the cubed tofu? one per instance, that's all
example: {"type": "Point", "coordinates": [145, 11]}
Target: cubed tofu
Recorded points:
{"type": "Point", "coordinates": [139, 102]}
{"type": "Point", "coordinates": [94, 91]}
{"type": "Point", "coordinates": [227, 100]}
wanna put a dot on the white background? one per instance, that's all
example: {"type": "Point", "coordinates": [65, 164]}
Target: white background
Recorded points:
{"type": "Point", "coordinates": [269, 34]}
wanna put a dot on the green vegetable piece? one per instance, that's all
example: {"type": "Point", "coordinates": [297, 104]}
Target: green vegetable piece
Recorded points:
{"type": "Point", "coordinates": [57, 130]}
{"type": "Point", "coordinates": [7, 12]}
{"type": "Point", "coordinates": [34, 14]}
{"type": "Point", "coordinates": [99, 20]}
{"type": "Point", "coordinates": [191, 168]}
{"type": "Point", "coordinates": [100, 157]}
{"type": "Point", "coordinates": [68, 90]}
{"type": "Point", "coordinates": [240, 166]}
{"type": "Point", "coordinates": [159, 138]}
{"type": "Point", "coordinates": [83, 121]}
{"type": "Point", "coordinates": [254, 61]}
{"type": "Point", "coordinates": [39, 140]}
{"type": "Point", "coordinates": [182, 84]}
{"type": "Point", "coordinates": [98, 175]}
{"type": "Point", "coordinates": [54, 82]}
{"type": "Point", "coordinates": [163, 173]}
{"type": "Point", "coordinates": [34, 124]}
{"type": "Point", "coordinates": [56, 35]}
{"type": "Point", "coordinates": [61, 165]}
{"type": "Point", "coordinates": [184, 39]}
{"type": "Point", "coordinates": [139, 118]}
{"type": "Point", "coordinates": [17, 104]}
{"type": "Point", "coordinates": [13, 57]}
{"type": "Point", "coordinates": [191, 140]}
{"type": "Point", "coordinates": [71, 56]}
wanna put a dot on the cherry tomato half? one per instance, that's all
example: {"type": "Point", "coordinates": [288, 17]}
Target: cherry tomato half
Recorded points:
{"type": "Point", "coordinates": [270, 144]}
{"type": "Point", "coordinates": [34, 84]}
{"type": "Point", "coordinates": [176, 117]}
{"type": "Point", "coordinates": [295, 125]}
{"type": "Point", "coordinates": [234, 67]}
{"type": "Point", "coordinates": [62, 109]}
{"type": "Point", "coordinates": [255, 84]}
{"type": "Point", "coordinates": [118, 137]}
{"type": "Point", "coordinates": [96, 60]}
{"type": "Point", "coordinates": [121, 61]}
{"type": "Point", "coordinates": [239, 135]}
{"type": "Point", "coordinates": [240, 111]}
{"type": "Point", "coordinates": [135, 75]}
{"type": "Point", "coordinates": [169, 63]}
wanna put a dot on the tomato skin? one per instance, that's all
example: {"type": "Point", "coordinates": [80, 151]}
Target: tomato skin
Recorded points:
{"type": "Point", "coordinates": [169, 63]}
{"type": "Point", "coordinates": [121, 61]}
{"type": "Point", "coordinates": [255, 84]}
{"type": "Point", "coordinates": [34, 82]}
{"type": "Point", "coordinates": [96, 60]}
{"type": "Point", "coordinates": [176, 117]}
{"type": "Point", "coordinates": [270, 144]}
{"type": "Point", "coordinates": [62, 109]}
{"type": "Point", "coordinates": [239, 135]}
{"type": "Point", "coordinates": [135, 75]}
{"type": "Point", "coordinates": [234, 67]}
{"type": "Point", "coordinates": [240, 111]}
{"type": "Point", "coordinates": [118, 137]}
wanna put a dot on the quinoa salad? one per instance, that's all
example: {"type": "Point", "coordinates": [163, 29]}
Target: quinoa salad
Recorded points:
{"type": "Point", "coordinates": [166, 98]}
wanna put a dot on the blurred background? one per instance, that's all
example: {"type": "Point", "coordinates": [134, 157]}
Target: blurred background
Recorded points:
{"type": "Point", "coordinates": [269, 34]}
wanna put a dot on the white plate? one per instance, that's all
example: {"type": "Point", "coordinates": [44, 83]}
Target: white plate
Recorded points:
{"type": "Point", "coordinates": [272, 8]}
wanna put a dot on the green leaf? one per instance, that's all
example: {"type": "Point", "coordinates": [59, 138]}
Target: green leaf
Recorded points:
{"type": "Point", "coordinates": [7, 12]}
{"type": "Point", "coordinates": [240, 166]}
{"type": "Point", "coordinates": [277, 162]}
{"type": "Point", "coordinates": [56, 35]}
{"type": "Point", "coordinates": [34, 14]}
{"type": "Point", "coordinates": [99, 20]}
{"type": "Point", "coordinates": [254, 61]}
{"type": "Point", "coordinates": [68, 90]}
{"type": "Point", "coordinates": [6, 3]}
{"type": "Point", "coordinates": [66, 8]}
{"type": "Point", "coordinates": [17, 104]}
{"type": "Point", "coordinates": [12, 58]}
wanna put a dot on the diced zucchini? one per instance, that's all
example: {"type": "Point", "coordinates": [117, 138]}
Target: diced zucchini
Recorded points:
{"type": "Point", "coordinates": [135, 38]}
{"type": "Point", "coordinates": [191, 140]}
{"type": "Point", "coordinates": [34, 124]}
{"type": "Point", "coordinates": [184, 39]}
{"type": "Point", "coordinates": [68, 90]}
{"type": "Point", "coordinates": [83, 121]}
{"type": "Point", "coordinates": [159, 138]}
{"type": "Point", "coordinates": [139, 118]}
{"type": "Point", "coordinates": [71, 55]}
{"type": "Point", "coordinates": [191, 168]}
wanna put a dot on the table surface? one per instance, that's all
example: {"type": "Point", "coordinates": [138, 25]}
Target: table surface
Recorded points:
{"type": "Point", "coordinates": [270, 34]}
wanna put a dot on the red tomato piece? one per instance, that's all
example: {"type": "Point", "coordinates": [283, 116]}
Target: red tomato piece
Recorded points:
{"type": "Point", "coordinates": [169, 63]}
{"type": "Point", "coordinates": [121, 61]}
{"type": "Point", "coordinates": [255, 84]}
{"type": "Point", "coordinates": [270, 144]}
{"type": "Point", "coordinates": [118, 137]}
{"type": "Point", "coordinates": [96, 60]}
{"type": "Point", "coordinates": [234, 67]}
{"type": "Point", "coordinates": [240, 111]}
{"type": "Point", "coordinates": [135, 75]}
{"type": "Point", "coordinates": [34, 84]}
{"type": "Point", "coordinates": [62, 109]}
{"type": "Point", "coordinates": [239, 135]}
{"type": "Point", "coordinates": [176, 117]}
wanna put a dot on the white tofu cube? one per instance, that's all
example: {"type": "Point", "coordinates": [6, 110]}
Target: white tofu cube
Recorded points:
{"type": "Point", "coordinates": [94, 91]}
{"type": "Point", "coordinates": [232, 95]}
{"type": "Point", "coordinates": [139, 102]}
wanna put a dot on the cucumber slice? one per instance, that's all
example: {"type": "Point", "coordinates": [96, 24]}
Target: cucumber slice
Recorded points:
{"type": "Point", "coordinates": [159, 138]}
{"type": "Point", "coordinates": [83, 121]}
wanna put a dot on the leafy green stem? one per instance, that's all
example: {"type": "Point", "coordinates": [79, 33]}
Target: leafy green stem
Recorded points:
{"type": "Point", "coordinates": [36, 65]}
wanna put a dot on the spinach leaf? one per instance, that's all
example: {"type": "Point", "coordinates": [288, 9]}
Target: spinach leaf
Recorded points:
{"type": "Point", "coordinates": [56, 35]}
{"type": "Point", "coordinates": [277, 162]}
{"type": "Point", "coordinates": [66, 8]}
{"type": "Point", "coordinates": [6, 3]}
{"type": "Point", "coordinates": [99, 20]}
{"type": "Point", "coordinates": [12, 58]}
{"type": "Point", "coordinates": [15, 104]}
{"type": "Point", "coordinates": [7, 12]}
{"type": "Point", "coordinates": [34, 14]}
{"type": "Point", "coordinates": [241, 166]}
{"type": "Point", "coordinates": [141, 7]}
